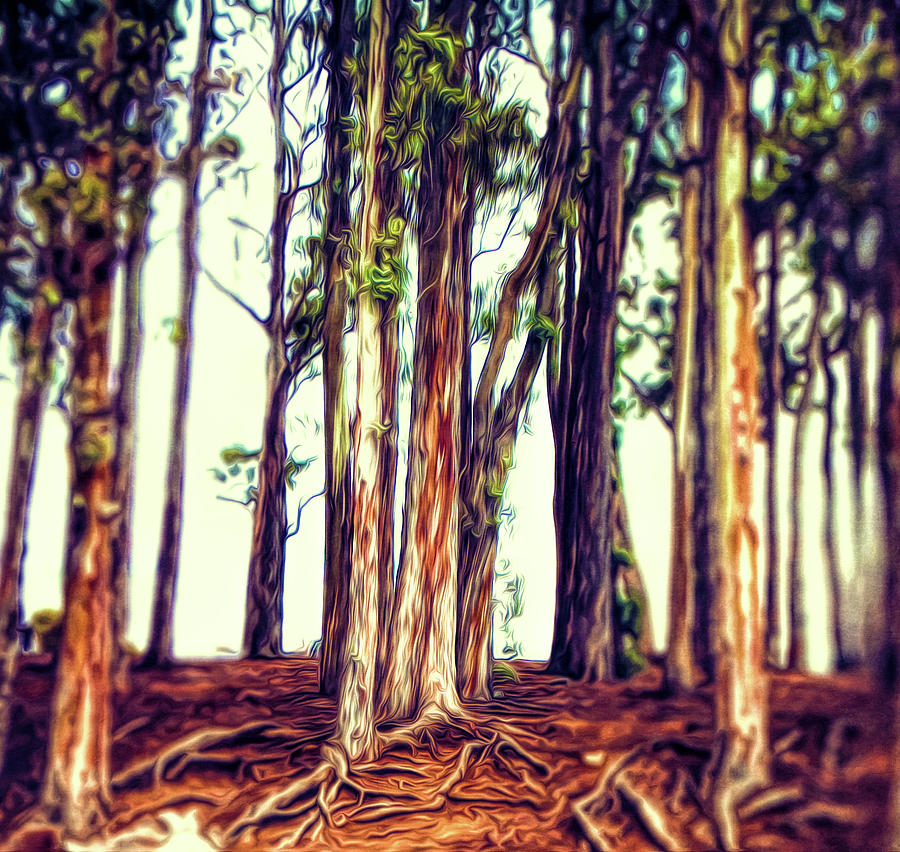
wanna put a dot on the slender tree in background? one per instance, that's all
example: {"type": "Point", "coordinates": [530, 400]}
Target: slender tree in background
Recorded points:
{"type": "Point", "coordinates": [138, 165]}
{"type": "Point", "coordinates": [796, 608]}
{"type": "Point", "coordinates": [36, 362]}
{"type": "Point", "coordinates": [265, 584]}
{"type": "Point", "coordinates": [191, 157]}
{"type": "Point", "coordinates": [681, 667]}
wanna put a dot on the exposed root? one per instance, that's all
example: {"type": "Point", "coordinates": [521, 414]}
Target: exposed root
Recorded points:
{"type": "Point", "coordinates": [395, 784]}
{"type": "Point", "coordinates": [771, 799]}
{"type": "Point", "coordinates": [188, 748]}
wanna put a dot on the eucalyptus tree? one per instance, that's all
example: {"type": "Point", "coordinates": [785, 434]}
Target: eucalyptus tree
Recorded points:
{"type": "Point", "coordinates": [626, 56]}
{"type": "Point", "coordinates": [741, 686]}
{"type": "Point", "coordinates": [378, 273]}
{"type": "Point", "coordinates": [340, 40]}
{"type": "Point", "coordinates": [491, 411]}
{"type": "Point", "coordinates": [106, 78]}
{"type": "Point", "coordinates": [189, 166]}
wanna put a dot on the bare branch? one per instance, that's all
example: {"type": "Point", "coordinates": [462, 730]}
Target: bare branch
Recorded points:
{"type": "Point", "coordinates": [300, 508]}
{"type": "Point", "coordinates": [233, 296]}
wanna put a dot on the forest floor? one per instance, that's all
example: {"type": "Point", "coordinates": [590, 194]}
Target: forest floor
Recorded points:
{"type": "Point", "coordinates": [609, 766]}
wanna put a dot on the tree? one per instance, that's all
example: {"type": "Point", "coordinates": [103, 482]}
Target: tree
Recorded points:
{"type": "Point", "coordinates": [741, 688]}
{"type": "Point", "coordinates": [111, 41]}
{"type": "Point", "coordinates": [681, 663]}
{"type": "Point", "coordinates": [584, 633]}
{"type": "Point", "coordinates": [376, 280]}
{"type": "Point", "coordinates": [494, 425]}
{"type": "Point", "coordinates": [336, 181]}
{"type": "Point", "coordinates": [190, 164]}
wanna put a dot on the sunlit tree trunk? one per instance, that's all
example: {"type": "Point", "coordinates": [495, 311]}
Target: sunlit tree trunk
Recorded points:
{"type": "Point", "coordinates": [76, 785]}
{"type": "Point", "coordinates": [160, 644]}
{"type": "Point", "coordinates": [680, 668]}
{"type": "Point", "coordinates": [36, 365]}
{"type": "Point", "coordinates": [420, 675]}
{"type": "Point", "coordinates": [420, 678]}
{"type": "Point", "coordinates": [373, 427]}
{"type": "Point", "coordinates": [337, 416]}
{"type": "Point", "coordinates": [126, 415]}
{"type": "Point", "coordinates": [741, 688]}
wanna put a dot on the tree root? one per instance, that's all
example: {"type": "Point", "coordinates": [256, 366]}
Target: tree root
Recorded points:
{"type": "Point", "coordinates": [185, 750]}
{"type": "Point", "coordinates": [393, 785]}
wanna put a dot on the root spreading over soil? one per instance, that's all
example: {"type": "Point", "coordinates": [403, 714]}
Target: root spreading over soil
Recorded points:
{"type": "Point", "coordinates": [240, 755]}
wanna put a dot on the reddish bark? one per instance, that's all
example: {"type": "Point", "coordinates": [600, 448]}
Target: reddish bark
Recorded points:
{"type": "Point", "coordinates": [76, 786]}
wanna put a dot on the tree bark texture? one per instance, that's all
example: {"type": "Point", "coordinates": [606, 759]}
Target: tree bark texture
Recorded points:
{"type": "Point", "coordinates": [583, 636]}
{"type": "Point", "coordinates": [76, 785]}
{"type": "Point", "coordinates": [373, 427]}
{"type": "Point", "coordinates": [420, 678]}
{"type": "Point", "coordinates": [741, 689]}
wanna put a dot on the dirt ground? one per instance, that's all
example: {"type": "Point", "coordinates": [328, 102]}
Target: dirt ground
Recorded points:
{"type": "Point", "coordinates": [557, 766]}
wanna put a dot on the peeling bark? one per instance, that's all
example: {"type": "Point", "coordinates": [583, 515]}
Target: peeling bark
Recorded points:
{"type": "Point", "coordinates": [76, 785]}
{"type": "Point", "coordinates": [373, 428]}
{"type": "Point", "coordinates": [741, 689]}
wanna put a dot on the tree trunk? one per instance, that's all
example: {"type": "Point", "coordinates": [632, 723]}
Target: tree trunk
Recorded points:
{"type": "Point", "coordinates": [493, 428]}
{"type": "Point", "coordinates": [337, 418]}
{"type": "Point", "coordinates": [126, 414]}
{"type": "Point", "coordinates": [420, 678]}
{"type": "Point", "coordinates": [36, 364]}
{"type": "Point", "coordinates": [160, 645]}
{"type": "Point", "coordinates": [265, 579]}
{"type": "Point", "coordinates": [583, 636]}
{"type": "Point", "coordinates": [680, 669]}
{"type": "Point", "coordinates": [741, 690]}
{"type": "Point", "coordinates": [796, 607]}
{"type": "Point", "coordinates": [76, 785]}
{"type": "Point", "coordinates": [373, 428]}
{"type": "Point", "coordinates": [773, 410]}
